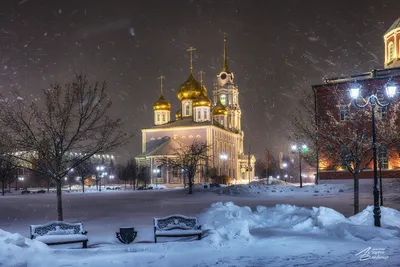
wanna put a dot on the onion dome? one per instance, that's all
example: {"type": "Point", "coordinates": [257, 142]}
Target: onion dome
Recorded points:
{"type": "Point", "coordinates": [190, 89]}
{"type": "Point", "coordinates": [178, 115]}
{"type": "Point", "coordinates": [162, 104]}
{"type": "Point", "coordinates": [219, 109]}
{"type": "Point", "coordinates": [202, 100]}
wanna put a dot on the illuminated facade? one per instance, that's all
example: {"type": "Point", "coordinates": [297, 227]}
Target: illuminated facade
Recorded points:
{"type": "Point", "coordinates": [371, 83]}
{"type": "Point", "coordinates": [215, 122]}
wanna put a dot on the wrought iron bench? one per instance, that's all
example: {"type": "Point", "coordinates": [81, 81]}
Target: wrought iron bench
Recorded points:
{"type": "Point", "coordinates": [57, 233]}
{"type": "Point", "coordinates": [176, 226]}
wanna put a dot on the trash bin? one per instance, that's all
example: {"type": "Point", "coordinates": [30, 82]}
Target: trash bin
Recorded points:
{"type": "Point", "coordinates": [126, 234]}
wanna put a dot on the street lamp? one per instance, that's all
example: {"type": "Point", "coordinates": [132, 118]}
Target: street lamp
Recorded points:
{"type": "Point", "coordinates": [224, 158]}
{"type": "Point", "coordinates": [303, 148]}
{"type": "Point", "coordinates": [391, 90]}
{"type": "Point", "coordinates": [21, 179]}
{"type": "Point", "coordinates": [156, 171]}
{"type": "Point", "coordinates": [99, 169]}
{"type": "Point", "coordinates": [284, 165]}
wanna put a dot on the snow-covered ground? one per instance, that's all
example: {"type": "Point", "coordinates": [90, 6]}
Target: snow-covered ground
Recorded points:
{"type": "Point", "coordinates": [282, 235]}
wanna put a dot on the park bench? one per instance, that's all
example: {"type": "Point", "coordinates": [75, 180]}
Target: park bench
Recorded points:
{"type": "Point", "coordinates": [58, 233]}
{"type": "Point", "coordinates": [176, 226]}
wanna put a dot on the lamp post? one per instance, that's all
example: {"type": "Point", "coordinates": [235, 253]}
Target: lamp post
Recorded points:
{"type": "Point", "coordinates": [303, 148]}
{"type": "Point", "coordinates": [21, 179]}
{"type": "Point", "coordinates": [156, 172]}
{"type": "Point", "coordinates": [373, 100]}
{"type": "Point", "coordinates": [99, 169]}
{"type": "Point", "coordinates": [284, 165]}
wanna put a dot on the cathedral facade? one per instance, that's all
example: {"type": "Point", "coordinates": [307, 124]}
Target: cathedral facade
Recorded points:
{"type": "Point", "coordinates": [215, 121]}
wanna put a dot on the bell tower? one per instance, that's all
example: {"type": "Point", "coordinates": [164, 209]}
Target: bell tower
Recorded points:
{"type": "Point", "coordinates": [226, 92]}
{"type": "Point", "coordinates": [392, 45]}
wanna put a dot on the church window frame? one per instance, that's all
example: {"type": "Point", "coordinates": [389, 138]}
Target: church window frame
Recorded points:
{"type": "Point", "coordinates": [205, 115]}
{"type": "Point", "coordinates": [187, 109]}
{"type": "Point", "coordinates": [234, 99]}
{"type": "Point", "coordinates": [158, 117]}
{"type": "Point", "coordinates": [198, 115]}
{"type": "Point", "coordinates": [391, 52]}
{"type": "Point", "coordinates": [163, 117]}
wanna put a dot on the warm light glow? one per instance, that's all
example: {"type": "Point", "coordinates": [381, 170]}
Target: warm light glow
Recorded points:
{"type": "Point", "coordinates": [223, 156]}
{"type": "Point", "coordinates": [284, 165]}
{"type": "Point", "coordinates": [391, 90]}
{"type": "Point", "coordinates": [294, 147]}
{"type": "Point", "coordinates": [354, 92]}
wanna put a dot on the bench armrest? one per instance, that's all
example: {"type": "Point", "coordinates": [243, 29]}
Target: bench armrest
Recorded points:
{"type": "Point", "coordinates": [84, 232]}
{"type": "Point", "coordinates": [199, 227]}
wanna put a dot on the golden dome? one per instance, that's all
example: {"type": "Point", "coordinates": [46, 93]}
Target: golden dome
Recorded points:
{"type": "Point", "coordinates": [202, 100]}
{"type": "Point", "coordinates": [219, 109]}
{"type": "Point", "coordinates": [190, 89]}
{"type": "Point", "coordinates": [178, 115]}
{"type": "Point", "coordinates": [162, 104]}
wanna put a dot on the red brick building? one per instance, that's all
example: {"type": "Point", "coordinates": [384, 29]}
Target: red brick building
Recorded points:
{"type": "Point", "coordinates": [374, 82]}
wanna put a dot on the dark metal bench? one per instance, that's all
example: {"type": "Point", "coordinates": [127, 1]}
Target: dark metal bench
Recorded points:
{"type": "Point", "coordinates": [58, 233]}
{"type": "Point", "coordinates": [176, 226]}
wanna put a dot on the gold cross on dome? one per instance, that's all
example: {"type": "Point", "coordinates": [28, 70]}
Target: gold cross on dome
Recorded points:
{"type": "Point", "coordinates": [201, 73]}
{"type": "Point", "coordinates": [190, 50]}
{"type": "Point", "coordinates": [161, 78]}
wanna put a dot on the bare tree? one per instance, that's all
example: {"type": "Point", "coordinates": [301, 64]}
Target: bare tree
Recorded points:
{"type": "Point", "coordinates": [132, 171]}
{"type": "Point", "coordinates": [73, 119]}
{"type": "Point", "coordinates": [188, 158]}
{"type": "Point", "coordinates": [342, 143]}
{"type": "Point", "coordinates": [143, 175]}
{"type": "Point", "coordinates": [7, 171]}
{"type": "Point", "coordinates": [84, 171]}
{"type": "Point", "coordinates": [123, 174]}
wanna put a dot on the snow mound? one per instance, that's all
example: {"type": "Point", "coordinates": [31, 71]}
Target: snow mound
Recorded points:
{"type": "Point", "coordinates": [226, 222]}
{"type": "Point", "coordinates": [15, 244]}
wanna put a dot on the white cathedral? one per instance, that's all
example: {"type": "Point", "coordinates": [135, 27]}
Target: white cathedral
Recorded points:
{"type": "Point", "coordinates": [216, 123]}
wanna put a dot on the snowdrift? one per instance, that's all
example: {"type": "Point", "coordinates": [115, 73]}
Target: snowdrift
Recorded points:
{"type": "Point", "coordinates": [226, 222]}
{"type": "Point", "coordinates": [16, 250]}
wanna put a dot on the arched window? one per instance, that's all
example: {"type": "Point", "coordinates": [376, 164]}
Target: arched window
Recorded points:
{"type": "Point", "coordinates": [198, 115]}
{"type": "Point", "coordinates": [205, 115]}
{"type": "Point", "coordinates": [163, 117]}
{"type": "Point", "coordinates": [158, 117]}
{"type": "Point", "coordinates": [391, 52]}
{"type": "Point", "coordinates": [187, 109]}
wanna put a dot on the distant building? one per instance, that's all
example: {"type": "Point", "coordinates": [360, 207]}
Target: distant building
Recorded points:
{"type": "Point", "coordinates": [370, 82]}
{"type": "Point", "coordinates": [216, 122]}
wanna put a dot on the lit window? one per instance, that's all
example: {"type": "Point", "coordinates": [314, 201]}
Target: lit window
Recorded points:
{"type": "Point", "coordinates": [223, 100]}
{"type": "Point", "coordinates": [381, 113]}
{"type": "Point", "coordinates": [187, 109]}
{"type": "Point", "coordinates": [222, 122]}
{"type": "Point", "coordinates": [383, 157]}
{"type": "Point", "coordinates": [234, 99]}
{"type": "Point", "coordinates": [344, 112]}
{"type": "Point", "coordinates": [391, 52]}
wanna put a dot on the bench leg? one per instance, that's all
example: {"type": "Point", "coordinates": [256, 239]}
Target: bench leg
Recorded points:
{"type": "Point", "coordinates": [84, 244]}
{"type": "Point", "coordinates": [155, 239]}
{"type": "Point", "coordinates": [199, 237]}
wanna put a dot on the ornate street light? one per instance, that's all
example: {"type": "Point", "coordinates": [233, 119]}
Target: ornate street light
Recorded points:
{"type": "Point", "coordinates": [303, 148]}
{"type": "Point", "coordinates": [391, 90]}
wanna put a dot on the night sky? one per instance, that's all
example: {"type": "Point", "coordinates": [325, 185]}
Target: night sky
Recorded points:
{"type": "Point", "coordinates": [276, 49]}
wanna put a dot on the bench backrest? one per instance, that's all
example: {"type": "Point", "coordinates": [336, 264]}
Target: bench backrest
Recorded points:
{"type": "Point", "coordinates": [176, 222]}
{"type": "Point", "coordinates": [56, 228]}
